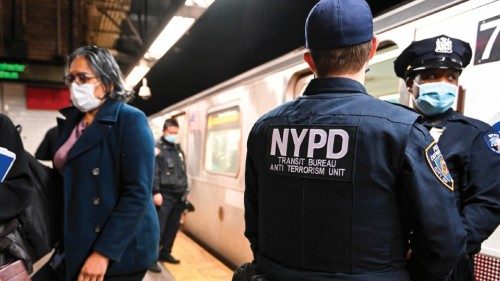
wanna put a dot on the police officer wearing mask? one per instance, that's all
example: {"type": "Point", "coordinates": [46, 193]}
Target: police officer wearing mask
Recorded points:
{"type": "Point", "coordinates": [431, 68]}
{"type": "Point", "coordinates": [336, 180]}
{"type": "Point", "coordinates": [169, 188]}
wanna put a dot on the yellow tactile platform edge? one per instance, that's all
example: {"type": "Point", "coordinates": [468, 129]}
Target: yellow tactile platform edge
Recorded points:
{"type": "Point", "coordinates": [196, 263]}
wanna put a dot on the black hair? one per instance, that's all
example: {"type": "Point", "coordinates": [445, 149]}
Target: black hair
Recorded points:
{"type": "Point", "coordinates": [105, 68]}
{"type": "Point", "coordinates": [170, 122]}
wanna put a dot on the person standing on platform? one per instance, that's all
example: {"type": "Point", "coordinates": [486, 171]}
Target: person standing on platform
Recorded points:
{"type": "Point", "coordinates": [169, 188]}
{"type": "Point", "coordinates": [106, 159]}
{"type": "Point", "coordinates": [337, 181]}
{"type": "Point", "coordinates": [431, 68]}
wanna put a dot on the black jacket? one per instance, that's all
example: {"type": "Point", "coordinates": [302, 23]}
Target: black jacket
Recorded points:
{"type": "Point", "coordinates": [337, 180]}
{"type": "Point", "coordinates": [17, 189]}
{"type": "Point", "coordinates": [469, 149]}
{"type": "Point", "coordinates": [170, 168]}
{"type": "Point", "coordinates": [47, 148]}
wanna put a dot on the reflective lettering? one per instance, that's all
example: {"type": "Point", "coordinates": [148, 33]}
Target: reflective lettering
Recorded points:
{"type": "Point", "coordinates": [282, 143]}
{"type": "Point", "coordinates": [315, 145]}
{"type": "Point", "coordinates": [297, 140]}
{"type": "Point", "coordinates": [331, 140]}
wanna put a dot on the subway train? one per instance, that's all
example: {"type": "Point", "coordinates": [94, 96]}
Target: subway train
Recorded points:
{"type": "Point", "coordinates": [214, 124]}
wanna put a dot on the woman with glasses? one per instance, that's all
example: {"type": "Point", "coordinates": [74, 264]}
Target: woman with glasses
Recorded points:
{"type": "Point", "coordinates": [106, 157]}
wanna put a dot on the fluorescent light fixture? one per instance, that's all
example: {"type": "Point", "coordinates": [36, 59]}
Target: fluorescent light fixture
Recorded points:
{"type": "Point", "coordinates": [199, 3]}
{"type": "Point", "coordinates": [168, 37]}
{"type": "Point", "coordinates": [203, 3]}
{"type": "Point", "coordinates": [136, 75]}
{"type": "Point", "coordinates": [172, 32]}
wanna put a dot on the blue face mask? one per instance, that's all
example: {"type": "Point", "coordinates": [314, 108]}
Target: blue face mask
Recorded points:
{"type": "Point", "coordinates": [170, 138]}
{"type": "Point", "coordinates": [435, 98]}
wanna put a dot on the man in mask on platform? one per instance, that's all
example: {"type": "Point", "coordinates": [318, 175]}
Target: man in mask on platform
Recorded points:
{"type": "Point", "coordinates": [170, 188]}
{"type": "Point", "coordinates": [431, 68]}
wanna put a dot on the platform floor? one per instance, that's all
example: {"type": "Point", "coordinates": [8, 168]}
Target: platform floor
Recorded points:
{"type": "Point", "coordinates": [196, 264]}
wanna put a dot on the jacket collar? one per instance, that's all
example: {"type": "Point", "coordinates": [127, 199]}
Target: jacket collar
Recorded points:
{"type": "Point", "coordinates": [332, 85]}
{"type": "Point", "coordinates": [95, 133]}
{"type": "Point", "coordinates": [438, 121]}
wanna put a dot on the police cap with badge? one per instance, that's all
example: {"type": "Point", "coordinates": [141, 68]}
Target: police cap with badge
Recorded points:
{"type": "Point", "coordinates": [437, 52]}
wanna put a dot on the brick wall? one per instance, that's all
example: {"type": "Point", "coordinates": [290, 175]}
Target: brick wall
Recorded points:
{"type": "Point", "coordinates": [35, 122]}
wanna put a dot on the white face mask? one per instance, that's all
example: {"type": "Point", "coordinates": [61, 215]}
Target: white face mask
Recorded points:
{"type": "Point", "coordinates": [83, 97]}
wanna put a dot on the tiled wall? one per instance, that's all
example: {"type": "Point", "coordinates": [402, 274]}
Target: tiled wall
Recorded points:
{"type": "Point", "coordinates": [35, 122]}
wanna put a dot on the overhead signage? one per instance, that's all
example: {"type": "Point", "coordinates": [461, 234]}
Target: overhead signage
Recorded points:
{"type": "Point", "coordinates": [11, 70]}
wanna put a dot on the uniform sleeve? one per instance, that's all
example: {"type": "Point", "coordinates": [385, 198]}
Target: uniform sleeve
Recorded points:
{"type": "Point", "coordinates": [17, 188]}
{"type": "Point", "coordinates": [136, 173]}
{"type": "Point", "coordinates": [481, 195]}
{"type": "Point", "coordinates": [251, 196]}
{"type": "Point", "coordinates": [438, 237]}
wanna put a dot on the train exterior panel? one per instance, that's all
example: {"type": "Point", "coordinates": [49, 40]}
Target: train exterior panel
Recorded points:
{"type": "Point", "coordinates": [215, 123]}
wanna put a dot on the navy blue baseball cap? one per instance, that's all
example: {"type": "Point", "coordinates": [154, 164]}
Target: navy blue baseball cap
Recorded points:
{"type": "Point", "coordinates": [338, 23]}
{"type": "Point", "coordinates": [437, 52]}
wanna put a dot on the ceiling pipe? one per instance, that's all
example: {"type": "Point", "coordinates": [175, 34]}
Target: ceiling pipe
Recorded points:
{"type": "Point", "coordinates": [1, 29]}
{"type": "Point", "coordinates": [58, 29]}
{"type": "Point", "coordinates": [70, 25]}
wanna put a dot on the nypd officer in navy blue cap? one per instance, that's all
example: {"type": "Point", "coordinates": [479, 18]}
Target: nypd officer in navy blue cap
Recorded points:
{"type": "Point", "coordinates": [337, 180]}
{"type": "Point", "coordinates": [431, 68]}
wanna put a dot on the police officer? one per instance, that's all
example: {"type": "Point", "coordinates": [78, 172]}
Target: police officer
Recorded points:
{"type": "Point", "coordinates": [336, 180]}
{"type": "Point", "coordinates": [431, 68]}
{"type": "Point", "coordinates": [169, 189]}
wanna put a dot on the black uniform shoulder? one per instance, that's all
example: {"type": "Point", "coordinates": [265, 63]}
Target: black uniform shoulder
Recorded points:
{"type": "Point", "coordinates": [392, 112]}
{"type": "Point", "coordinates": [277, 111]}
{"type": "Point", "coordinates": [402, 105]}
{"type": "Point", "coordinates": [477, 124]}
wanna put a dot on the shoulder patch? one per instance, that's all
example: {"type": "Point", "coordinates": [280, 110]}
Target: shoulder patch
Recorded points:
{"type": "Point", "coordinates": [438, 166]}
{"type": "Point", "coordinates": [312, 151]}
{"type": "Point", "coordinates": [492, 142]}
{"type": "Point", "coordinates": [496, 127]}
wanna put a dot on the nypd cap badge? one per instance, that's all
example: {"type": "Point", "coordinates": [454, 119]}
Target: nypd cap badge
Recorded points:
{"type": "Point", "coordinates": [436, 161]}
{"type": "Point", "coordinates": [444, 45]}
{"type": "Point", "coordinates": [492, 142]}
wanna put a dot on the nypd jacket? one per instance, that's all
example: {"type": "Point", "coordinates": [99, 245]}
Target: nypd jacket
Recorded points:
{"type": "Point", "coordinates": [108, 204]}
{"type": "Point", "coordinates": [472, 152]}
{"type": "Point", "coordinates": [170, 168]}
{"type": "Point", "coordinates": [335, 183]}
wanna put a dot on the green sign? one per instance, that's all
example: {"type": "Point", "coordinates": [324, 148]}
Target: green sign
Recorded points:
{"type": "Point", "coordinates": [11, 70]}
{"type": "Point", "coordinates": [9, 75]}
{"type": "Point", "coordinates": [13, 67]}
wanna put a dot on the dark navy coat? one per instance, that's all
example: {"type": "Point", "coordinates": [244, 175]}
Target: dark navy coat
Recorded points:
{"type": "Point", "coordinates": [108, 205]}
{"type": "Point", "coordinates": [335, 183]}
{"type": "Point", "coordinates": [473, 159]}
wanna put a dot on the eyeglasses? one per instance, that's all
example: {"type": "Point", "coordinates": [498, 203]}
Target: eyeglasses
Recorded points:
{"type": "Point", "coordinates": [80, 78]}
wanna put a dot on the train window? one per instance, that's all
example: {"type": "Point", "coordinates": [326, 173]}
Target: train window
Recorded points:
{"type": "Point", "coordinates": [381, 82]}
{"type": "Point", "coordinates": [222, 148]}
